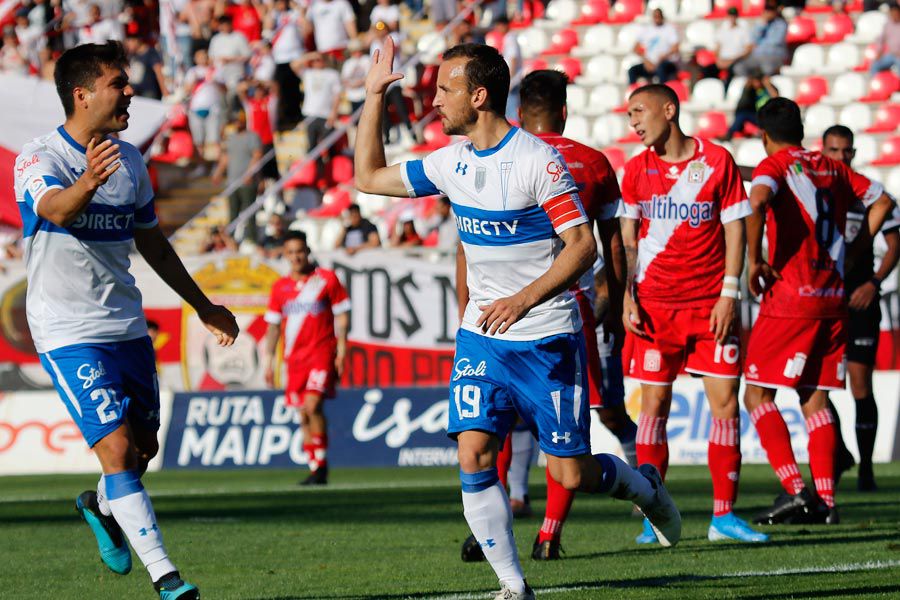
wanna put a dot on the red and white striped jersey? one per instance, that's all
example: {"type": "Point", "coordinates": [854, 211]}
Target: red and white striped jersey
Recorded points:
{"type": "Point", "coordinates": [805, 224]}
{"type": "Point", "coordinates": [307, 307]}
{"type": "Point", "coordinates": [682, 208]}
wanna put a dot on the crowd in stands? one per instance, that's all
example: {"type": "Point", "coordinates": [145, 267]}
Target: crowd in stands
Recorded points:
{"type": "Point", "coordinates": [246, 71]}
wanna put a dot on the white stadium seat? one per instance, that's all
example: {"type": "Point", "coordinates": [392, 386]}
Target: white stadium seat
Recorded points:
{"type": "Point", "coordinates": [533, 41]}
{"type": "Point", "coordinates": [819, 117]}
{"type": "Point", "coordinates": [604, 98]}
{"type": "Point", "coordinates": [750, 153]}
{"type": "Point", "coordinates": [578, 128]}
{"type": "Point", "coordinates": [843, 57]}
{"type": "Point", "coordinates": [784, 84]}
{"type": "Point", "coordinates": [560, 13]}
{"type": "Point", "coordinates": [892, 181]}
{"type": "Point", "coordinates": [600, 69]}
{"type": "Point", "coordinates": [857, 116]}
{"type": "Point", "coordinates": [576, 99]}
{"type": "Point", "coordinates": [847, 88]}
{"type": "Point", "coordinates": [596, 41]}
{"type": "Point", "coordinates": [869, 26]}
{"type": "Point", "coordinates": [607, 129]}
{"type": "Point", "coordinates": [431, 45]}
{"type": "Point", "coordinates": [707, 94]}
{"type": "Point", "coordinates": [735, 89]}
{"type": "Point", "coordinates": [669, 8]}
{"type": "Point", "coordinates": [691, 10]}
{"type": "Point", "coordinates": [700, 34]}
{"type": "Point", "coordinates": [688, 123]}
{"type": "Point", "coordinates": [866, 149]}
{"type": "Point", "coordinates": [808, 59]}
{"type": "Point", "coordinates": [626, 39]}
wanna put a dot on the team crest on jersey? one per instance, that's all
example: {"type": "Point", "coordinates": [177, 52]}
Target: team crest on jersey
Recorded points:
{"type": "Point", "coordinates": [695, 172]}
{"type": "Point", "coordinates": [652, 361]}
{"type": "Point", "coordinates": [480, 178]}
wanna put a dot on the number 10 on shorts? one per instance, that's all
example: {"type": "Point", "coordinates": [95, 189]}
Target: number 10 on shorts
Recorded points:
{"type": "Point", "coordinates": [468, 396]}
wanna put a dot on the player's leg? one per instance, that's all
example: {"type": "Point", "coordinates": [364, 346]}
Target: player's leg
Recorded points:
{"type": "Point", "coordinates": [521, 451]}
{"type": "Point", "coordinates": [866, 421]}
{"type": "Point", "coordinates": [724, 459]}
{"type": "Point", "coordinates": [315, 437]}
{"type": "Point", "coordinates": [821, 446]}
{"type": "Point", "coordinates": [611, 405]}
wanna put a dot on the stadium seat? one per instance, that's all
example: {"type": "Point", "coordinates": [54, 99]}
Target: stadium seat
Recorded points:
{"type": "Point", "coordinates": [607, 129]}
{"type": "Point", "coordinates": [750, 153]}
{"type": "Point", "coordinates": [331, 231]}
{"type": "Point", "coordinates": [810, 90]}
{"type": "Point", "coordinates": [532, 41]}
{"type": "Point", "coordinates": [179, 148]}
{"type": "Point", "coordinates": [560, 13]}
{"type": "Point", "coordinates": [848, 87]}
{"type": "Point", "coordinates": [595, 42]}
{"type": "Point", "coordinates": [808, 59]}
{"type": "Point", "coordinates": [887, 119]}
{"type": "Point", "coordinates": [712, 125]}
{"type": "Point", "coordinates": [625, 11]}
{"type": "Point", "coordinates": [615, 156]}
{"type": "Point", "coordinates": [692, 10]}
{"type": "Point", "coordinates": [600, 69]}
{"type": "Point", "coordinates": [890, 152]}
{"type": "Point", "coordinates": [688, 123]}
{"type": "Point", "coordinates": [700, 34]}
{"type": "Point", "coordinates": [868, 55]}
{"type": "Point", "coordinates": [669, 7]}
{"type": "Point", "coordinates": [534, 64]}
{"type": "Point", "coordinates": [562, 42]}
{"type": "Point", "coordinates": [705, 57]}
{"type": "Point", "coordinates": [340, 169]}
{"type": "Point", "coordinates": [754, 8]}
{"type": "Point", "coordinates": [569, 65]}
{"type": "Point", "coordinates": [494, 39]}
{"type": "Point", "coordinates": [604, 98]}
{"type": "Point", "coordinates": [891, 182]}
{"type": "Point", "coordinates": [720, 8]}
{"type": "Point", "coordinates": [842, 57]}
{"type": "Point", "coordinates": [856, 116]}
{"type": "Point", "coordinates": [866, 149]}
{"type": "Point", "coordinates": [835, 29]}
{"type": "Point", "coordinates": [801, 30]}
{"type": "Point", "coordinates": [431, 45]}
{"type": "Point", "coordinates": [592, 12]}
{"type": "Point", "coordinates": [305, 176]}
{"type": "Point", "coordinates": [434, 138]}
{"type": "Point", "coordinates": [626, 39]}
{"type": "Point", "coordinates": [680, 89]}
{"type": "Point", "coordinates": [869, 26]}
{"type": "Point", "coordinates": [734, 91]}
{"type": "Point", "coordinates": [784, 85]}
{"type": "Point", "coordinates": [818, 118]}
{"type": "Point", "coordinates": [708, 94]}
{"type": "Point", "coordinates": [578, 128]}
{"type": "Point", "coordinates": [881, 86]}
{"type": "Point", "coordinates": [335, 201]}
{"type": "Point", "coordinates": [576, 99]}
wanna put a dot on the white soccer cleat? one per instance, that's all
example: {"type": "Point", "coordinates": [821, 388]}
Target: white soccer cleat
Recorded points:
{"type": "Point", "coordinates": [661, 511]}
{"type": "Point", "coordinates": [507, 594]}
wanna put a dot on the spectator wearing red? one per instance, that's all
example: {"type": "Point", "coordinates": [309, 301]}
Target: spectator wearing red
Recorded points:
{"type": "Point", "coordinates": [246, 19]}
{"type": "Point", "coordinates": [405, 235]}
{"type": "Point", "coordinates": [259, 103]}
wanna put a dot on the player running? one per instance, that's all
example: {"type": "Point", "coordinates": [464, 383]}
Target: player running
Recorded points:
{"type": "Point", "coordinates": [798, 341]}
{"type": "Point", "coordinates": [84, 197]}
{"type": "Point", "coordinates": [542, 113]}
{"type": "Point", "coordinates": [314, 308]}
{"type": "Point", "coordinates": [683, 229]}
{"type": "Point", "coordinates": [862, 284]}
{"type": "Point", "coordinates": [519, 349]}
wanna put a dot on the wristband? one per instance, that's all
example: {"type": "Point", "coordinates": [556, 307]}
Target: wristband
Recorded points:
{"type": "Point", "coordinates": [732, 280]}
{"type": "Point", "coordinates": [726, 293]}
{"type": "Point", "coordinates": [876, 282]}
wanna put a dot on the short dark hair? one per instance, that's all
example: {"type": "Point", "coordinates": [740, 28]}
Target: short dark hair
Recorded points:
{"type": "Point", "coordinates": [354, 208]}
{"type": "Point", "coordinates": [662, 92]}
{"type": "Point", "coordinates": [841, 131]}
{"type": "Point", "coordinates": [543, 91]}
{"type": "Point", "coordinates": [151, 324]}
{"type": "Point", "coordinates": [81, 66]}
{"type": "Point", "coordinates": [780, 119]}
{"type": "Point", "coordinates": [485, 68]}
{"type": "Point", "coordinates": [295, 234]}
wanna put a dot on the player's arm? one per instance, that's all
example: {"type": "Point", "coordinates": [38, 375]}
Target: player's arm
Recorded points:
{"type": "Point", "coordinates": [865, 294]}
{"type": "Point", "coordinates": [341, 327]}
{"type": "Point", "coordinates": [372, 174]}
{"type": "Point", "coordinates": [760, 274]}
{"type": "Point", "coordinates": [272, 334]}
{"type": "Point", "coordinates": [161, 257]}
{"type": "Point", "coordinates": [723, 313]}
{"type": "Point", "coordinates": [462, 282]}
{"type": "Point", "coordinates": [63, 206]}
{"type": "Point", "coordinates": [631, 316]}
{"type": "Point", "coordinates": [878, 213]}
{"type": "Point", "coordinates": [577, 256]}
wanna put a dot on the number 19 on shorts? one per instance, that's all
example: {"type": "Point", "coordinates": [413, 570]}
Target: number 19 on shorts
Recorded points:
{"type": "Point", "coordinates": [468, 401]}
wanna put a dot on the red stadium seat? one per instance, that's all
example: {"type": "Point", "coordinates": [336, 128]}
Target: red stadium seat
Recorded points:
{"type": "Point", "coordinates": [680, 89]}
{"type": "Point", "coordinates": [881, 87]}
{"type": "Point", "coordinates": [754, 8]}
{"type": "Point", "coordinates": [811, 90]}
{"type": "Point", "coordinates": [836, 28]}
{"type": "Point", "coordinates": [593, 12]}
{"type": "Point", "coordinates": [304, 177]}
{"type": "Point", "coordinates": [562, 42]}
{"type": "Point", "coordinates": [340, 169]}
{"type": "Point", "coordinates": [569, 65]}
{"type": "Point", "coordinates": [179, 147]}
{"type": "Point", "coordinates": [334, 202]}
{"type": "Point", "coordinates": [720, 8]}
{"type": "Point", "coordinates": [869, 55]}
{"type": "Point", "coordinates": [887, 119]}
{"type": "Point", "coordinates": [890, 152]}
{"type": "Point", "coordinates": [625, 11]}
{"type": "Point", "coordinates": [705, 57]}
{"type": "Point", "coordinates": [494, 39]}
{"type": "Point", "coordinates": [534, 64]}
{"type": "Point", "coordinates": [854, 6]}
{"type": "Point", "coordinates": [624, 106]}
{"type": "Point", "coordinates": [801, 30]}
{"type": "Point", "coordinates": [434, 138]}
{"type": "Point", "coordinates": [712, 125]}
{"type": "Point", "coordinates": [616, 157]}
{"type": "Point", "coordinates": [817, 9]}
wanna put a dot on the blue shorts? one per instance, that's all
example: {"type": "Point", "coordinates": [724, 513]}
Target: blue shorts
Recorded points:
{"type": "Point", "coordinates": [612, 385]}
{"type": "Point", "coordinates": [106, 385]}
{"type": "Point", "coordinates": [543, 381]}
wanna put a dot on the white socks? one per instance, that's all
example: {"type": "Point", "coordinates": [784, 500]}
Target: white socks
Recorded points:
{"type": "Point", "coordinates": [133, 511]}
{"type": "Point", "coordinates": [486, 508]}
{"type": "Point", "coordinates": [522, 451]}
{"type": "Point", "coordinates": [101, 497]}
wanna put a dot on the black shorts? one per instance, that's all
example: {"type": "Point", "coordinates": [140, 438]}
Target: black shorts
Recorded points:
{"type": "Point", "coordinates": [863, 332]}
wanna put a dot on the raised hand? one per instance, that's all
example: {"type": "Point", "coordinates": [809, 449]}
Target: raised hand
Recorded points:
{"type": "Point", "coordinates": [381, 73]}
{"type": "Point", "coordinates": [102, 162]}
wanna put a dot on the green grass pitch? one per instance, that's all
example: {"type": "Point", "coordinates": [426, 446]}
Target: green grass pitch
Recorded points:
{"type": "Point", "coordinates": [396, 533]}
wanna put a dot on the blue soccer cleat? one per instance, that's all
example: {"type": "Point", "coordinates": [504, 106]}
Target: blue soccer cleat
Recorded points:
{"type": "Point", "coordinates": [114, 551]}
{"type": "Point", "coordinates": [731, 527]}
{"type": "Point", "coordinates": [173, 587]}
{"type": "Point", "coordinates": [648, 536]}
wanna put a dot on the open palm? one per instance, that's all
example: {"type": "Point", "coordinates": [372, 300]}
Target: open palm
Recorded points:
{"type": "Point", "coordinates": [381, 73]}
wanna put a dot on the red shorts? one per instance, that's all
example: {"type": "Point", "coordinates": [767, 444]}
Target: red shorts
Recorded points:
{"type": "Point", "coordinates": [318, 377]}
{"type": "Point", "coordinates": [679, 339]}
{"type": "Point", "coordinates": [797, 353]}
{"type": "Point", "coordinates": [594, 374]}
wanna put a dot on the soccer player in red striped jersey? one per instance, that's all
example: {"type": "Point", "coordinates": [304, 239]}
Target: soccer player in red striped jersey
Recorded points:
{"type": "Point", "coordinates": [801, 199]}
{"type": "Point", "coordinates": [312, 307]}
{"type": "Point", "coordinates": [683, 229]}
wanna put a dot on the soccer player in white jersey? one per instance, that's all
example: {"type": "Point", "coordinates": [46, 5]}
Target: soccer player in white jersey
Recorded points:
{"type": "Point", "coordinates": [84, 198]}
{"type": "Point", "coordinates": [519, 349]}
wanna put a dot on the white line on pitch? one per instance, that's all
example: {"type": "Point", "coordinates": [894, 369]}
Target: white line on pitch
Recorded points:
{"type": "Point", "coordinates": [843, 568]}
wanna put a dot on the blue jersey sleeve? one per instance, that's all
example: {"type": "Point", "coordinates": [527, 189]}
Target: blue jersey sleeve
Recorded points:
{"type": "Point", "coordinates": [416, 180]}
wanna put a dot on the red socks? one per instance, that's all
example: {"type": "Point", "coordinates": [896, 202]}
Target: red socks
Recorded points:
{"type": "Point", "coordinates": [724, 458]}
{"type": "Point", "coordinates": [822, 442]}
{"type": "Point", "coordinates": [315, 451]}
{"type": "Point", "coordinates": [559, 502]}
{"type": "Point", "coordinates": [652, 444]}
{"type": "Point", "coordinates": [504, 459]}
{"type": "Point", "coordinates": [774, 437]}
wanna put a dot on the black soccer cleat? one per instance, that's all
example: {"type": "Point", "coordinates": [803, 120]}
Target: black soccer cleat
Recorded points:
{"type": "Point", "coordinates": [317, 477]}
{"type": "Point", "coordinates": [797, 509]}
{"type": "Point", "coordinates": [546, 550]}
{"type": "Point", "coordinates": [471, 550]}
{"type": "Point", "coordinates": [865, 481]}
{"type": "Point", "coordinates": [832, 518]}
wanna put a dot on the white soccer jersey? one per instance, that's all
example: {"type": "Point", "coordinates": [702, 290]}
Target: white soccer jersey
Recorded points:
{"type": "Point", "coordinates": [510, 203]}
{"type": "Point", "coordinates": [79, 287]}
